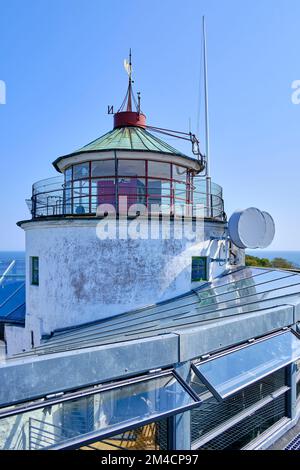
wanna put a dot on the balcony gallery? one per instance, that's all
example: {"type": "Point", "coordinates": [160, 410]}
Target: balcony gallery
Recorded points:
{"type": "Point", "coordinates": [127, 187]}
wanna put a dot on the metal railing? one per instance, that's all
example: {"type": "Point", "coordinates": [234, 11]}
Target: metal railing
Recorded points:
{"type": "Point", "coordinates": [36, 434]}
{"type": "Point", "coordinates": [52, 197]}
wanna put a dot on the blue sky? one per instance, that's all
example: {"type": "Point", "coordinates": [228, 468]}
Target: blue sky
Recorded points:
{"type": "Point", "coordinates": [62, 62]}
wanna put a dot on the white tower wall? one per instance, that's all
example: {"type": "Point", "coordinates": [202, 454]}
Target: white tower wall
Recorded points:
{"type": "Point", "coordinates": [84, 279]}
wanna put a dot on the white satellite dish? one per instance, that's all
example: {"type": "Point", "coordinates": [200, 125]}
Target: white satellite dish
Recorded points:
{"type": "Point", "coordinates": [251, 228]}
{"type": "Point", "coordinates": [270, 230]}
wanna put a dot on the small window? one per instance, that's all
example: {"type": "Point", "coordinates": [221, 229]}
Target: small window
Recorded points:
{"type": "Point", "coordinates": [199, 268]}
{"type": "Point", "coordinates": [34, 271]}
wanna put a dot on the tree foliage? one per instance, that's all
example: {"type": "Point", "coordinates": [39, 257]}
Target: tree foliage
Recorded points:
{"type": "Point", "coordinates": [266, 263]}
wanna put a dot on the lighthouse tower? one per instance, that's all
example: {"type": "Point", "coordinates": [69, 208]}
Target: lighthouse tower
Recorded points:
{"type": "Point", "coordinates": [127, 224]}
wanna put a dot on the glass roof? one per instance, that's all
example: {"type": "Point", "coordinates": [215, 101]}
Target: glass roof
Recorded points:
{"type": "Point", "coordinates": [12, 301]}
{"type": "Point", "coordinates": [96, 414]}
{"type": "Point", "coordinates": [12, 288]}
{"type": "Point", "coordinates": [130, 138]}
{"type": "Point", "coordinates": [237, 369]}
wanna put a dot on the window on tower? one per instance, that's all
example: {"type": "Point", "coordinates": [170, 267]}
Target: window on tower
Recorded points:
{"type": "Point", "coordinates": [34, 270]}
{"type": "Point", "coordinates": [199, 268]}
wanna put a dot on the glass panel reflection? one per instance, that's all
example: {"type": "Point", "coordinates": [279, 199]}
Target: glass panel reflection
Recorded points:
{"type": "Point", "coordinates": [103, 192]}
{"type": "Point", "coordinates": [81, 170]}
{"type": "Point", "coordinates": [131, 168]}
{"type": "Point", "coordinates": [159, 170]}
{"type": "Point", "coordinates": [237, 299]}
{"type": "Point", "coordinates": [134, 189]}
{"type": "Point", "coordinates": [231, 372]}
{"type": "Point", "coordinates": [102, 412]}
{"type": "Point", "coordinates": [257, 275]}
{"type": "Point", "coordinates": [179, 173]}
{"type": "Point", "coordinates": [81, 200]}
{"type": "Point", "coordinates": [68, 175]}
{"type": "Point", "coordinates": [180, 190]}
{"type": "Point", "coordinates": [103, 168]}
{"type": "Point", "coordinates": [234, 290]}
{"type": "Point", "coordinates": [158, 187]}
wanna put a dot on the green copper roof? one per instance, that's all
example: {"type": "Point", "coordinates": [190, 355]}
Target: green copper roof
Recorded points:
{"type": "Point", "coordinates": [130, 138]}
{"type": "Point", "coordinates": [126, 138]}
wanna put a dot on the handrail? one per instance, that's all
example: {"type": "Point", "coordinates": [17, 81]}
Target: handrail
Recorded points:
{"type": "Point", "coordinates": [52, 197]}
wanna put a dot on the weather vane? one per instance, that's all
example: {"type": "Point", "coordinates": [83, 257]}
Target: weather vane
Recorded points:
{"type": "Point", "coordinates": [128, 66]}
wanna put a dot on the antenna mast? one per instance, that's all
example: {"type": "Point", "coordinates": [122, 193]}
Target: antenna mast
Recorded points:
{"type": "Point", "coordinates": [208, 179]}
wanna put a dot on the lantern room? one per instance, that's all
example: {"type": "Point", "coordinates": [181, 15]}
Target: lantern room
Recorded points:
{"type": "Point", "coordinates": [125, 167]}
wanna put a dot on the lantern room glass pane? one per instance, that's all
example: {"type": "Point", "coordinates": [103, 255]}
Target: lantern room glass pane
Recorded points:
{"type": "Point", "coordinates": [227, 374]}
{"type": "Point", "coordinates": [81, 197]}
{"type": "Point", "coordinates": [180, 191]}
{"type": "Point", "coordinates": [159, 188]}
{"type": "Point", "coordinates": [68, 175]}
{"type": "Point", "coordinates": [159, 193]}
{"type": "Point", "coordinates": [179, 173]}
{"type": "Point", "coordinates": [103, 168]}
{"type": "Point", "coordinates": [103, 192]}
{"type": "Point", "coordinates": [131, 167]}
{"type": "Point", "coordinates": [159, 170]}
{"type": "Point", "coordinates": [94, 415]}
{"type": "Point", "coordinates": [68, 198]}
{"type": "Point", "coordinates": [81, 171]}
{"type": "Point", "coordinates": [81, 205]}
{"type": "Point", "coordinates": [134, 189]}
{"type": "Point", "coordinates": [81, 187]}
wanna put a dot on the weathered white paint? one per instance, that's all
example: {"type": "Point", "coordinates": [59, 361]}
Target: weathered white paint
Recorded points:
{"type": "Point", "coordinates": [17, 339]}
{"type": "Point", "coordinates": [2, 350]}
{"type": "Point", "coordinates": [83, 279]}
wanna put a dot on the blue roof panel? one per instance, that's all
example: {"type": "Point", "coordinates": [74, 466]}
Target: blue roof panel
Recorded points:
{"type": "Point", "coordinates": [12, 302]}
